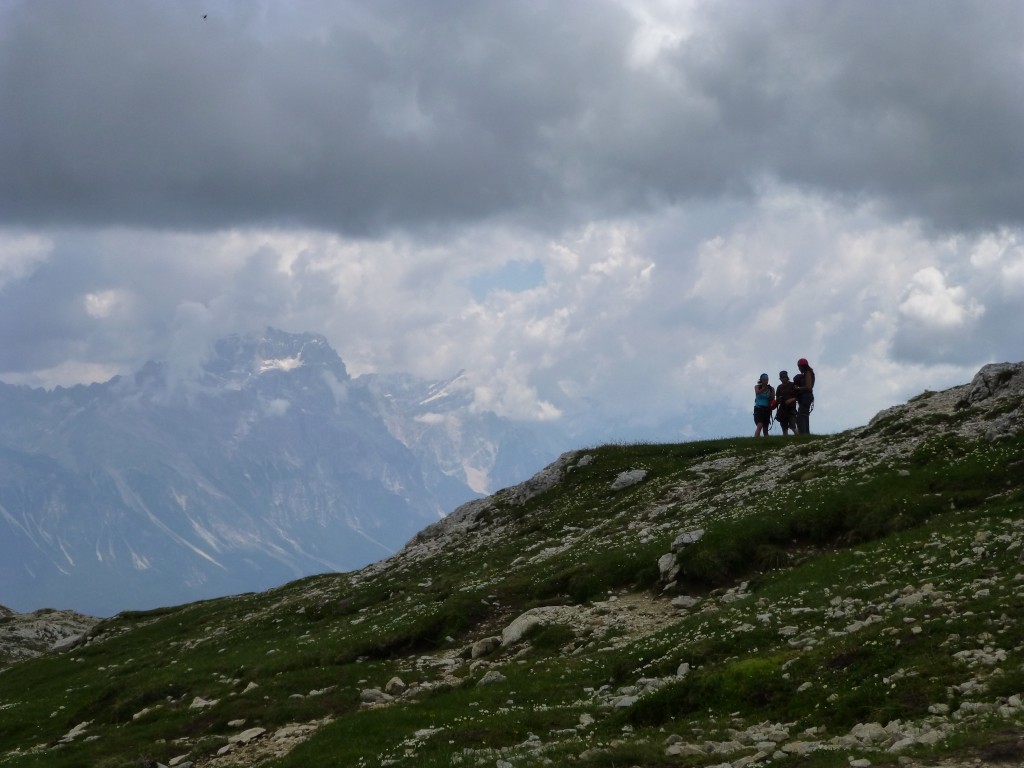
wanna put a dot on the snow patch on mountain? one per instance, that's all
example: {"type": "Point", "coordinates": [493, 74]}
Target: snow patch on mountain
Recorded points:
{"type": "Point", "coordinates": [280, 364]}
{"type": "Point", "coordinates": [139, 562]}
{"type": "Point", "coordinates": [430, 418]}
{"type": "Point", "coordinates": [455, 387]}
{"type": "Point", "coordinates": [477, 478]}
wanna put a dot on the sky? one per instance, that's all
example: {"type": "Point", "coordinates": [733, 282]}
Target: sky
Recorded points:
{"type": "Point", "coordinates": [613, 214]}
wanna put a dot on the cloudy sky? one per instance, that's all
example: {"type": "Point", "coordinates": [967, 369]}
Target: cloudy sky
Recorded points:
{"type": "Point", "coordinates": [611, 210]}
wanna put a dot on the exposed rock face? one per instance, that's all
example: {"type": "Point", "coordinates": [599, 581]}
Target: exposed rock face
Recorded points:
{"type": "Point", "coordinates": [469, 516]}
{"type": "Point", "coordinates": [995, 382]}
{"type": "Point", "coordinates": [26, 635]}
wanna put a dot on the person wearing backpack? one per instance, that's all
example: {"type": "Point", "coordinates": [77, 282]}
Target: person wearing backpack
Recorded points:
{"type": "Point", "coordinates": [764, 401]}
{"type": "Point", "coordinates": [785, 395]}
{"type": "Point", "coordinates": [804, 396]}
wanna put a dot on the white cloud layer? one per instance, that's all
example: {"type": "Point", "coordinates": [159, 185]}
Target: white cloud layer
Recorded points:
{"type": "Point", "coordinates": [612, 214]}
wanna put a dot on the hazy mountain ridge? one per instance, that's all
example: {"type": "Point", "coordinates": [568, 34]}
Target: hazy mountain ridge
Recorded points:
{"type": "Point", "coordinates": [437, 421]}
{"type": "Point", "coordinates": [844, 600]}
{"type": "Point", "coordinates": [268, 464]}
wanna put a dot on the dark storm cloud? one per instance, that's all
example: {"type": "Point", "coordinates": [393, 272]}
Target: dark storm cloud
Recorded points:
{"type": "Point", "coordinates": [917, 103]}
{"type": "Point", "coordinates": [145, 114]}
{"type": "Point", "coordinates": [364, 116]}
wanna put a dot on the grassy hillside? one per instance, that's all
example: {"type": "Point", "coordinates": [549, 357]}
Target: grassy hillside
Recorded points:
{"type": "Point", "coordinates": [853, 597]}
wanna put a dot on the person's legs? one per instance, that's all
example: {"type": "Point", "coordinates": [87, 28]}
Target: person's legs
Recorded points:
{"type": "Point", "coordinates": [761, 423]}
{"type": "Point", "coordinates": [784, 416]}
{"type": "Point", "coordinates": [803, 414]}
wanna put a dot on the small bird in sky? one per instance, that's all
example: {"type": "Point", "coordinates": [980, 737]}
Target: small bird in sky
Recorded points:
{"type": "Point", "coordinates": [204, 15]}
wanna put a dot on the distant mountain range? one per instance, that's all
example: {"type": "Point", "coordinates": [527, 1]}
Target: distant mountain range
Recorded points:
{"type": "Point", "coordinates": [269, 464]}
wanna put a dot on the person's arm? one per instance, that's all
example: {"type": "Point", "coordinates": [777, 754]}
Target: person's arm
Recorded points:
{"type": "Point", "coordinates": [809, 381]}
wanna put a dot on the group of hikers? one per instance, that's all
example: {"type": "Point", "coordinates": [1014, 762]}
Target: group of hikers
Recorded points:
{"type": "Point", "coordinates": [792, 401]}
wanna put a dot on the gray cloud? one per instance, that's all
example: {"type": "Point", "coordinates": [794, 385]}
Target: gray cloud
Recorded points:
{"type": "Point", "coordinates": [363, 117]}
{"type": "Point", "coordinates": [701, 191]}
{"type": "Point", "coordinates": [148, 116]}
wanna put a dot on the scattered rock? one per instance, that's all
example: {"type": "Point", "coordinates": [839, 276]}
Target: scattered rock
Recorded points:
{"type": "Point", "coordinates": [685, 602]}
{"type": "Point", "coordinates": [686, 538]}
{"type": "Point", "coordinates": [492, 678]}
{"type": "Point", "coordinates": [626, 479]}
{"type": "Point", "coordinates": [374, 696]}
{"type": "Point", "coordinates": [515, 631]}
{"type": "Point", "coordinates": [246, 736]}
{"type": "Point", "coordinates": [485, 647]}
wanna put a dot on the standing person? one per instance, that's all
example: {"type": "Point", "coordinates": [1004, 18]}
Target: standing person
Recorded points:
{"type": "Point", "coordinates": [804, 396]}
{"type": "Point", "coordinates": [764, 393]}
{"type": "Point", "coordinates": [785, 394]}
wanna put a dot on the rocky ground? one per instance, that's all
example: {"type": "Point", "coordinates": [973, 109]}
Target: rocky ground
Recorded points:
{"type": "Point", "coordinates": [26, 635]}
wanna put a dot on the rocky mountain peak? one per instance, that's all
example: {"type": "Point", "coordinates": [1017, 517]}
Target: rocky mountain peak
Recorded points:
{"type": "Point", "coordinates": [239, 358]}
{"type": "Point", "coordinates": [269, 464]}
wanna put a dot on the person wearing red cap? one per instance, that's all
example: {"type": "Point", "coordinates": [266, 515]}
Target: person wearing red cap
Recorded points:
{"type": "Point", "coordinates": [804, 396]}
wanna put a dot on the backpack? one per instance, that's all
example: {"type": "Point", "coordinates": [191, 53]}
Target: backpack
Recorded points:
{"type": "Point", "coordinates": [814, 373]}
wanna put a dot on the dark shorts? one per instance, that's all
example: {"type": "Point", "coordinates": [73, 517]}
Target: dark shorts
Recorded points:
{"type": "Point", "coordinates": [786, 416]}
{"type": "Point", "coordinates": [762, 415]}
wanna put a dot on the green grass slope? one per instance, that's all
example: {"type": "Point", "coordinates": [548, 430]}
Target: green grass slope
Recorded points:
{"type": "Point", "coordinates": [845, 598]}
